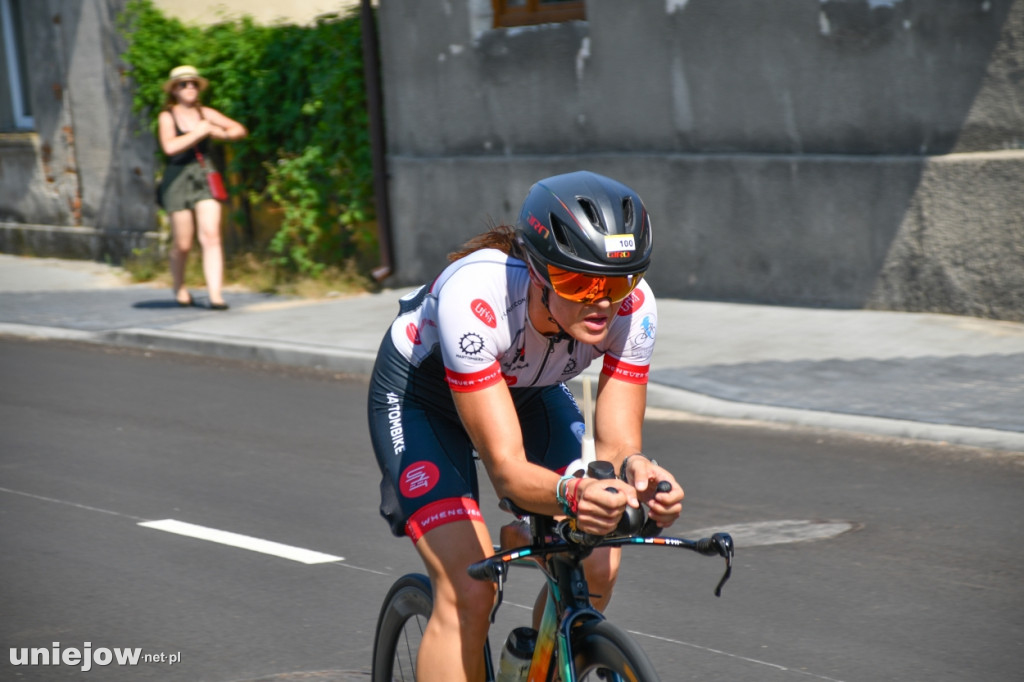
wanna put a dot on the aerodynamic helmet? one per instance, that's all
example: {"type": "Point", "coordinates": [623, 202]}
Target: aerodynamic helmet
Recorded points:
{"type": "Point", "coordinates": [586, 223]}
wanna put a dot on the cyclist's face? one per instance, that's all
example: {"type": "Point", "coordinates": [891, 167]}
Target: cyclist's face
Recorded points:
{"type": "Point", "coordinates": [586, 322]}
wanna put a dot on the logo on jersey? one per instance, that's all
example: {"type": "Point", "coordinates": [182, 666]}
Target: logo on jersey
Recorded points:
{"type": "Point", "coordinates": [570, 366]}
{"type": "Point", "coordinates": [516, 361]}
{"type": "Point", "coordinates": [419, 479]}
{"type": "Point", "coordinates": [484, 312]}
{"type": "Point", "coordinates": [648, 327]}
{"type": "Point", "coordinates": [632, 302]}
{"type": "Point", "coordinates": [512, 307]}
{"type": "Point", "coordinates": [641, 343]}
{"type": "Point", "coordinates": [413, 332]}
{"type": "Point", "coordinates": [471, 344]}
{"type": "Point", "coordinates": [646, 332]}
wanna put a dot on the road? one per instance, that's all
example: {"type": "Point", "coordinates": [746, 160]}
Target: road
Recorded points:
{"type": "Point", "coordinates": [926, 584]}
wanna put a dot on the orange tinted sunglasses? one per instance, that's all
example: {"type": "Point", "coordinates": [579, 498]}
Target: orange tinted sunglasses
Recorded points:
{"type": "Point", "coordinates": [580, 288]}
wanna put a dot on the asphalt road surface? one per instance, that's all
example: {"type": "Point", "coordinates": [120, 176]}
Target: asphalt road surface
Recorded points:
{"type": "Point", "coordinates": [107, 456]}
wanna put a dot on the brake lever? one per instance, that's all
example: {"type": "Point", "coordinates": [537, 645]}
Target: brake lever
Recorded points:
{"type": "Point", "coordinates": [501, 575]}
{"type": "Point", "coordinates": [727, 549]}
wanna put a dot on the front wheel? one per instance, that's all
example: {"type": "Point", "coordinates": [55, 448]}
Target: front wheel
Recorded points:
{"type": "Point", "coordinates": [403, 617]}
{"type": "Point", "coordinates": [604, 653]}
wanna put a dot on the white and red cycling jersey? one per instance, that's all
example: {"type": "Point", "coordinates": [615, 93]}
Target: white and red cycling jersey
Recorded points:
{"type": "Point", "coordinates": [486, 335]}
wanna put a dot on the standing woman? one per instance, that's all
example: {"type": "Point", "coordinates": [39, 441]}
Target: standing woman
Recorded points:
{"type": "Point", "coordinates": [186, 126]}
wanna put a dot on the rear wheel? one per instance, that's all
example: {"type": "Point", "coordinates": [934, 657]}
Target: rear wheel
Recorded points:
{"type": "Point", "coordinates": [602, 652]}
{"type": "Point", "coordinates": [400, 626]}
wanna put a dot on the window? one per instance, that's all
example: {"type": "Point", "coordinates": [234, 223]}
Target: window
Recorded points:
{"type": "Point", "coordinates": [15, 105]}
{"type": "Point", "coordinates": [527, 12]}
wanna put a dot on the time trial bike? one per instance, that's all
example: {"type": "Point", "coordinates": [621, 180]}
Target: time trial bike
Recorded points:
{"type": "Point", "coordinates": [575, 641]}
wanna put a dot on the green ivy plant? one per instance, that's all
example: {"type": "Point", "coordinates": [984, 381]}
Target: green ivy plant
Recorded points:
{"type": "Point", "coordinates": [300, 92]}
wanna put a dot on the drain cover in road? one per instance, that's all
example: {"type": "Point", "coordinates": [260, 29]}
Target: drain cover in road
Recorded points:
{"type": "Point", "coordinates": [761, 533]}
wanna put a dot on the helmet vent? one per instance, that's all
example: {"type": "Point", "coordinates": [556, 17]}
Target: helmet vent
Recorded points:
{"type": "Point", "coordinates": [561, 232]}
{"type": "Point", "coordinates": [628, 214]}
{"type": "Point", "coordinates": [592, 214]}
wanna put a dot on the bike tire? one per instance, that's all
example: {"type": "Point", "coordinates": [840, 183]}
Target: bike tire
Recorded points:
{"type": "Point", "coordinates": [603, 652]}
{"type": "Point", "coordinates": [403, 616]}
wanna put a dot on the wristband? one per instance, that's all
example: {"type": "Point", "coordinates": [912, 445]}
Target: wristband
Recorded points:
{"type": "Point", "coordinates": [573, 498]}
{"type": "Point", "coordinates": [560, 490]}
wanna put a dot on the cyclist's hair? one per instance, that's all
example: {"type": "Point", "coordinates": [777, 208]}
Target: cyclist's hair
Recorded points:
{"type": "Point", "coordinates": [500, 237]}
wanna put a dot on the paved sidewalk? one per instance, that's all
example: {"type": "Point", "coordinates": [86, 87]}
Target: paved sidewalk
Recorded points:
{"type": "Point", "coordinates": [934, 377]}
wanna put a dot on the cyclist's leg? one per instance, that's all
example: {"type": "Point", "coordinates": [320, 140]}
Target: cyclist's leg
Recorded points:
{"type": "Point", "coordinates": [552, 430]}
{"type": "Point", "coordinates": [428, 492]}
{"type": "Point", "coordinates": [602, 570]}
{"type": "Point", "coordinates": [457, 629]}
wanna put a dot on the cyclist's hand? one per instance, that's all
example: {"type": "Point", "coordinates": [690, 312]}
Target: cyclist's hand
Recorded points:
{"type": "Point", "coordinates": [645, 475]}
{"type": "Point", "coordinates": [599, 509]}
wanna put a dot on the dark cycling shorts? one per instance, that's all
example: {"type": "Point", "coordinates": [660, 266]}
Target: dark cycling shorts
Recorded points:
{"type": "Point", "coordinates": [425, 455]}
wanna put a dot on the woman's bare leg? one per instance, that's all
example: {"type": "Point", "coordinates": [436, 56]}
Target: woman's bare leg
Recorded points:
{"type": "Point", "coordinates": [457, 630]}
{"type": "Point", "coordinates": [208, 217]}
{"type": "Point", "coordinates": [182, 231]}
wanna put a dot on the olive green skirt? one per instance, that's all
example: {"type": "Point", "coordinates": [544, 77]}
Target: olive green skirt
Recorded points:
{"type": "Point", "coordinates": [182, 187]}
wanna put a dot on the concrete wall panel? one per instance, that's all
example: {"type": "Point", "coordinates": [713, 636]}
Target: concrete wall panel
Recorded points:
{"type": "Point", "coordinates": [794, 151]}
{"type": "Point", "coordinates": [784, 214]}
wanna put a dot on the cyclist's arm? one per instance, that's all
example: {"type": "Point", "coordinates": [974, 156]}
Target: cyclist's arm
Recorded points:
{"type": "Point", "coordinates": [619, 419]}
{"type": "Point", "coordinates": [490, 418]}
{"type": "Point", "coordinates": [618, 433]}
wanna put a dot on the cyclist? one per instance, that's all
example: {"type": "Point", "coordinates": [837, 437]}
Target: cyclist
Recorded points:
{"type": "Point", "coordinates": [477, 360]}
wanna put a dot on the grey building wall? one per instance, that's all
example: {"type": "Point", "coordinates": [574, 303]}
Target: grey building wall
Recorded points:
{"type": "Point", "coordinates": [81, 183]}
{"type": "Point", "coordinates": [806, 152]}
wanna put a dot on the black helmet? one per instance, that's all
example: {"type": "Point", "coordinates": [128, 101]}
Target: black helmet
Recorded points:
{"type": "Point", "coordinates": [584, 222]}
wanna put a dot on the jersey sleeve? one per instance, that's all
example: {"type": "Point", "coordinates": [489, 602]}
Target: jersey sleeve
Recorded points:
{"type": "Point", "coordinates": [470, 335]}
{"type": "Point", "coordinates": [630, 343]}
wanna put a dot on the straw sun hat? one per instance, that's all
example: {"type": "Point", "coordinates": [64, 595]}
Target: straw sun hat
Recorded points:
{"type": "Point", "coordinates": [185, 73]}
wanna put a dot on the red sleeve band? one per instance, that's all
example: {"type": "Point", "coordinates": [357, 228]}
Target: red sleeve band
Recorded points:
{"type": "Point", "coordinates": [465, 383]}
{"type": "Point", "coordinates": [619, 369]}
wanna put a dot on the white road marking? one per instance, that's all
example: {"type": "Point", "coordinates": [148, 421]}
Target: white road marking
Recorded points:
{"type": "Point", "coordinates": [70, 504]}
{"type": "Point", "coordinates": [761, 533]}
{"type": "Point", "coordinates": [755, 661]}
{"type": "Point", "coordinates": [223, 537]}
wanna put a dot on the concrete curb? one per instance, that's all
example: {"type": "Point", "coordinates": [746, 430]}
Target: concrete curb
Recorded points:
{"type": "Point", "coordinates": [31, 331]}
{"type": "Point", "coordinates": [345, 361]}
{"type": "Point", "coordinates": [708, 406]}
{"type": "Point", "coordinates": [359, 362]}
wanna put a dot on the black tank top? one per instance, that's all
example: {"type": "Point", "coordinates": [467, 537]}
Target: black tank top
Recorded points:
{"type": "Point", "coordinates": [189, 155]}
